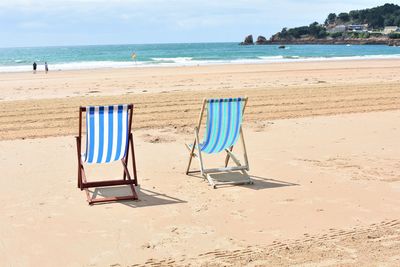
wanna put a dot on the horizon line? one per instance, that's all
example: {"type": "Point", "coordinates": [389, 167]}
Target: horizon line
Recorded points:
{"type": "Point", "coordinates": [115, 44]}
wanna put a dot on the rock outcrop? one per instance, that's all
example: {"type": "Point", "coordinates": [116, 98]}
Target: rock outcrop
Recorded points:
{"type": "Point", "coordinates": [248, 40]}
{"type": "Point", "coordinates": [275, 40]}
{"type": "Point", "coordinates": [394, 42]}
{"type": "Point", "coordinates": [261, 40]}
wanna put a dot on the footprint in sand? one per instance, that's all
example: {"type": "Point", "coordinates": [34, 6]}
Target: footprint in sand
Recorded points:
{"type": "Point", "coordinates": [155, 139]}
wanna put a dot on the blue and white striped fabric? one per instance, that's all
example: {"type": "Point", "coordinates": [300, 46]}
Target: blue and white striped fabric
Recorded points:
{"type": "Point", "coordinates": [107, 133]}
{"type": "Point", "coordinates": [224, 119]}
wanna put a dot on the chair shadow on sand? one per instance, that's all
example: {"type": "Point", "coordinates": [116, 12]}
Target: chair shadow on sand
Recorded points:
{"type": "Point", "coordinates": [147, 197]}
{"type": "Point", "coordinates": [258, 182]}
{"type": "Point", "coordinates": [267, 183]}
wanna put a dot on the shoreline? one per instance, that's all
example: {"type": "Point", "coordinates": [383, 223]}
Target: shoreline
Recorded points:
{"type": "Point", "coordinates": [116, 65]}
{"type": "Point", "coordinates": [244, 65]}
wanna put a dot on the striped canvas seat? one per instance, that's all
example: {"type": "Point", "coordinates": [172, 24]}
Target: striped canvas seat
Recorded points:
{"type": "Point", "coordinates": [224, 119]}
{"type": "Point", "coordinates": [107, 133]}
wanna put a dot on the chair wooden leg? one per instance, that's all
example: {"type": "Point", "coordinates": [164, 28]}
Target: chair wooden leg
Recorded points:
{"type": "Point", "coordinates": [78, 146]}
{"type": "Point", "coordinates": [126, 171]}
{"type": "Point", "coordinates": [134, 194]}
{"type": "Point", "coordinates": [133, 161]}
{"type": "Point", "coordinates": [228, 157]}
{"type": "Point", "coordinates": [93, 199]}
{"type": "Point", "coordinates": [190, 162]}
{"type": "Point", "coordinates": [127, 179]}
{"type": "Point", "coordinates": [124, 174]}
{"type": "Point", "coordinates": [126, 160]}
{"type": "Point", "coordinates": [128, 175]}
{"type": "Point", "coordinates": [110, 199]}
{"type": "Point", "coordinates": [191, 157]}
{"type": "Point", "coordinates": [79, 176]}
{"type": "Point", "coordinates": [84, 185]}
{"type": "Point", "coordinates": [89, 199]}
{"type": "Point", "coordinates": [83, 177]}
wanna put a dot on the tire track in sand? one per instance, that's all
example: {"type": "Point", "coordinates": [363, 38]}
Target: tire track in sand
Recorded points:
{"type": "Point", "coordinates": [56, 117]}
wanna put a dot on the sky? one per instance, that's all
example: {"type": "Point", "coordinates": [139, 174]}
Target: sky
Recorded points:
{"type": "Point", "coordinates": [29, 23]}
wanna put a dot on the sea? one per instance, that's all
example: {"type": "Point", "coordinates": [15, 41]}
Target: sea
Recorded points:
{"type": "Point", "coordinates": [180, 54]}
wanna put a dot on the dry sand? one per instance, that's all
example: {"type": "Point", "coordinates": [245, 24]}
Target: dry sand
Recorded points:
{"type": "Point", "coordinates": [326, 189]}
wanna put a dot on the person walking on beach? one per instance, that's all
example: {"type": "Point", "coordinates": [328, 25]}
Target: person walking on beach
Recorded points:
{"type": "Point", "coordinates": [34, 67]}
{"type": "Point", "coordinates": [46, 67]}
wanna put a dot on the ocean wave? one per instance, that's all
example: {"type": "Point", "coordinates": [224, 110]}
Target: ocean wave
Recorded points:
{"type": "Point", "coordinates": [270, 57]}
{"type": "Point", "coordinates": [172, 59]}
{"type": "Point", "coordinates": [336, 58]}
{"type": "Point", "coordinates": [72, 66]}
{"type": "Point", "coordinates": [185, 61]}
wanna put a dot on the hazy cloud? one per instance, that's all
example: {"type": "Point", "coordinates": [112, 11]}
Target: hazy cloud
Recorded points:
{"type": "Point", "coordinates": [142, 21]}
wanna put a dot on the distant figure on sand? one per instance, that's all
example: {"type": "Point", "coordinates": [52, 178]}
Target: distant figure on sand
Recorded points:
{"type": "Point", "coordinates": [46, 67]}
{"type": "Point", "coordinates": [34, 67]}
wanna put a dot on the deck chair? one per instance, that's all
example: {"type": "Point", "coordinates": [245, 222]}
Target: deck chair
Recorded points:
{"type": "Point", "coordinates": [108, 139]}
{"type": "Point", "coordinates": [223, 130]}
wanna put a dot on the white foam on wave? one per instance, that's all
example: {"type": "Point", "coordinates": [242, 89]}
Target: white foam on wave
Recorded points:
{"type": "Point", "coordinates": [172, 59]}
{"type": "Point", "coordinates": [270, 57]}
{"type": "Point", "coordinates": [184, 61]}
{"type": "Point", "coordinates": [73, 66]}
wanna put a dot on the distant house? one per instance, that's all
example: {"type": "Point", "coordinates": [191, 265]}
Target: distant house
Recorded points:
{"type": "Point", "coordinates": [391, 29]}
{"type": "Point", "coordinates": [357, 28]}
{"type": "Point", "coordinates": [338, 28]}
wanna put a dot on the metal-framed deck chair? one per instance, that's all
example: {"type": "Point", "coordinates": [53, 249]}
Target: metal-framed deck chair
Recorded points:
{"type": "Point", "coordinates": [108, 139]}
{"type": "Point", "coordinates": [223, 130]}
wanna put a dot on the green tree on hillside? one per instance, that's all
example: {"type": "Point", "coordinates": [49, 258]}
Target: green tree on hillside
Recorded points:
{"type": "Point", "coordinates": [330, 19]}
{"type": "Point", "coordinates": [354, 15]}
{"type": "Point", "coordinates": [344, 17]}
{"type": "Point", "coordinates": [376, 18]}
{"type": "Point", "coordinates": [316, 30]}
{"type": "Point", "coordinates": [313, 30]}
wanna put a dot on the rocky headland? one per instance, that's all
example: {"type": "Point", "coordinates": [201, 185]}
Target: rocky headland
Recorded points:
{"type": "Point", "coordinates": [261, 40]}
{"type": "Point", "coordinates": [376, 26]}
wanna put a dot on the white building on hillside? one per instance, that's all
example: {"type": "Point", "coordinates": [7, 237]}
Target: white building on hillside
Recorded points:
{"type": "Point", "coordinates": [338, 28]}
{"type": "Point", "coordinates": [391, 29]}
{"type": "Point", "coordinates": [357, 28]}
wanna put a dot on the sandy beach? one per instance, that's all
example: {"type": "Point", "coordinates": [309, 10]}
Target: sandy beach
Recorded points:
{"type": "Point", "coordinates": [324, 151]}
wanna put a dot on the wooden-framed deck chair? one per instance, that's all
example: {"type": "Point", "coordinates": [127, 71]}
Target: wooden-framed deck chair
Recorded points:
{"type": "Point", "coordinates": [108, 139]}
{"type": "Point", "coordinates": [223, 130]}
